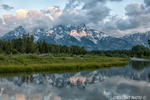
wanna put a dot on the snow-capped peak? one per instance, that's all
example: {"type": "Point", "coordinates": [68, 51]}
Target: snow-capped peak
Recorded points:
{"type": "Point", "coordinates": [16, 33]}
{"type": "Point", "coordinates": [20, 28]}
{"type": "Point", "coordinates": [81, 27]}
{"type": "Point", "coordinates": [71, 35]}
{"type": "Point", "coordinates": [38, 32]}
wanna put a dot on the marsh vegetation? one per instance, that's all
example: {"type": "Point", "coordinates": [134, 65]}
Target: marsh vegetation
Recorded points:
{"type": "Point", "coordinates": [33, 62]}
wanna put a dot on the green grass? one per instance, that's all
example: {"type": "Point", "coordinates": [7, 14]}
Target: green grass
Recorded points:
{"type": "Point", "coordinates": [34, 63]}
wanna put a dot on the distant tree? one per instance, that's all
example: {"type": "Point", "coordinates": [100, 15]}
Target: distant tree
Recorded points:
{"type": "Point", "coordinates": [31, 39]}
{"type": "Point", "coordinates": [39, 46]}
{"type": "Point", "coordinates": [17, 44]}
{"type": "Point", "coordinates": [8, 47]}
{"type": "Point", "coordinates": [24, 40]}
{"type": "Point", "coordinates": [44, 47]}
{"type": "Point", "coordinates": [26, 45]}
{"type": "Point", "coordinates": [149, 42]}
{"type": "Point", "coordinates": [32, 45]}
{"type": "Point", "coordinates": [139, 50]}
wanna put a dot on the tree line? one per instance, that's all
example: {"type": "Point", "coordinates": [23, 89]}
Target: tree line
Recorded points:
{"type": "Point", "coordinates": [136, 51]}
{"type": "Point", "coordinates": [26, 45]}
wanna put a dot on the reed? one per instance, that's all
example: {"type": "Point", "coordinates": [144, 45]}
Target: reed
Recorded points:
{"type": "Point", "coordinates": [34, 63]}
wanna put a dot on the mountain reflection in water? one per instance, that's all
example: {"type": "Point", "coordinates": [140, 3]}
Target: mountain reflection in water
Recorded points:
{"type": "Point", "coordinates": [132, 80]}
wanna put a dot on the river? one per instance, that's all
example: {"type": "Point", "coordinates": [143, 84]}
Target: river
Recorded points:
{"type": "Point", "coordinates": [117, 83]}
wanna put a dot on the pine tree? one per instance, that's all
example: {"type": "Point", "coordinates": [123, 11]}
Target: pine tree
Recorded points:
{"type": "Point", "coordinates": [28, 44]}
{"type": "Point", "coordinates": [44, 47]}
{"type": "Point", "coordinates": [32, 45]}
{"type": "Point", "coordinates": [8, 47]}
{"type": "Point", "coordinates": [24, 39]}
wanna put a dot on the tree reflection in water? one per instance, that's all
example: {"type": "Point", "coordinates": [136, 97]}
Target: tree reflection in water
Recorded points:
{"type": "Point", "coordinates": [140, 65]}
{"type": "Point", "coordinates": [88, 85]}
{"type": "Point", "coordinates": [149, 76]}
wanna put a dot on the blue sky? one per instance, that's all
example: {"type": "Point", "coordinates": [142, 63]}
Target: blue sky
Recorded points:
{"type": "Point", "coordinates": [114, 17]}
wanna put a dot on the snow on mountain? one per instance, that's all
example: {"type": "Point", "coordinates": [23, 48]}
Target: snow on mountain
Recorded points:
{"type": "Point", "coordinates": [138, 38]}
{"type": "Point", "coordinates": [19, 31]}
{"type": "Point", "coordinates": [16, 33]}
{"type": "Point", "coordinates": [37, 32]}
{"type": "Point", "coordinates": [75, 34]}
{"type": "Point", "coordinates": [60, 32]}
{"type": "Point", "coordinates": [57, 32]}
{"type": "Point", "coordinates": [81, 35]}
{"type": "Point", "coordinates": [83, 31]}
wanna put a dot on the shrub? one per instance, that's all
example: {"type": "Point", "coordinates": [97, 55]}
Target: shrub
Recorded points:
{"type": "Point", "coordinates": [1, 51]}
{"type": "Point", "coordinates": [2, 57]}
{"type": "Point", "coordinates": [81, 55]}
{"type": "Point", "coordinates": [14, 51]}
{"type": "Point", "coordinates": [19, 60]}
{"type": "Point", "coordinates": [71, 55]}
{"type": "Point", "coordinates": [32, 56]}
{"type": "Point", "coordinates": [63, 58]}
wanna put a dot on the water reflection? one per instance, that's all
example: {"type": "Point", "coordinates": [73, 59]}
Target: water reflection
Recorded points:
{"type": "Point", "coordinates": [140, 65]}
{"type": "Point", "coordinates": [133, 80]}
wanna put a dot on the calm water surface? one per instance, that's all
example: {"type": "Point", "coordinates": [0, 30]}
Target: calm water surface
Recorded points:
{"type": "Point", "coordinates": [131, 81]}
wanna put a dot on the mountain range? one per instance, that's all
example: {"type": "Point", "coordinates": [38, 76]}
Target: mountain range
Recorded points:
{"type": "Point", "coordinates": [81, 35]}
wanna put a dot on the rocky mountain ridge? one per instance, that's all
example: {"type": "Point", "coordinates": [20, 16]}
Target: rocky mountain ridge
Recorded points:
{"type": "Point", "coordinates": [81, 35]}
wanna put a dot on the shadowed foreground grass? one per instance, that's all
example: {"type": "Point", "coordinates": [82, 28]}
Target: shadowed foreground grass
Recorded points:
{"type": "Point", "coordinates": [34, 63]}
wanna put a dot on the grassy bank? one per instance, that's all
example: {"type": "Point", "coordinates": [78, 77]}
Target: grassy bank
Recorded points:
{"type": "Point", "coordinates": [34, 63]}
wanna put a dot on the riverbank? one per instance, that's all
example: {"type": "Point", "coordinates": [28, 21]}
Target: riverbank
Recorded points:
{"type": "Point", "coordinates": [35, 63]}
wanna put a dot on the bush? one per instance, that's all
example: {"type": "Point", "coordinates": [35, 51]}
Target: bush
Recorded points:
{"type": "Point", "coordinates": [63, 58]}
{"type": "Point", "coordinates": [32, 56]}
{"type": "Point", "coordinates": [71, 55]}
{"type": "Point", "coordinates": [1, 51]}
{"type": "Point", "coordinates": [19, 60]}
{"type": "Point", "coordinates": [109, 55]}
{"type": "Point", "coordinates": [14, 51]}
{"type": "Point", "coordinates": [81, 55]}
{"type": "Point", "coordinates": [2, 57]}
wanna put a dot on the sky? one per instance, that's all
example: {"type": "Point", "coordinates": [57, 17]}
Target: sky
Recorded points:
{"type": "Point", "coordinates": [113, 17]}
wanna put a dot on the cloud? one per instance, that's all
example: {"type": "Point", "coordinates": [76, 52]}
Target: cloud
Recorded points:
{"type": "Point", "coordinates": [90, 12]}
{"type": "Point", "coordinates": [71, 5]}
{"type": "Point", "coordinates": [135, 9]}
{"type": "Point", "coordinates": [54, 12]}
{"type": "Point", "coordinates": [147, 2]}
{"type": "Point", "coordinates": [29, 19]}
{"type": "Point", "coordinates": [138, 16]}
{"type": "Point", "coordinates": [94, 13]}
{"type": "Point", "coordinates": [21, 14]}
{"type": "Point", "coordinates": [92, 3]}
{"type": "Point", "coordinates": [76, 12]}
{"type": "Point", "coordinates": [6, 7]}
{"type": "Point", "coordinates": [128, 23]}
{"type": "Point", "coordinates": [137, 20]}
{"type": "Point", "coordinates": [98, 13]}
